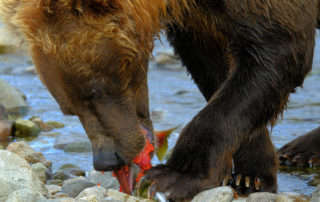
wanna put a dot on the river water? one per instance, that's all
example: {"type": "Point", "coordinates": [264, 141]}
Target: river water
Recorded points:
{"type": "Point", "coordinates": [174, 100]}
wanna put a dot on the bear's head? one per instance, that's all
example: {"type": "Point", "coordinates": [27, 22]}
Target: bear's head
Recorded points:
{"type": "Point", "coordinates": [93, 58]}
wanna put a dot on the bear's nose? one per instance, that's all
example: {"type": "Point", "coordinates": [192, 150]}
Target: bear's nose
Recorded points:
{"type": "Point", "coordinates": [107, 161]}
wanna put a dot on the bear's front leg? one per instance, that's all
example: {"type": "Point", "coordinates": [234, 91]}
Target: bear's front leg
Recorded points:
{"type": "Point", "coordinates": [250, 98]}
{"type": "Point", "coordinates": [201, 159]}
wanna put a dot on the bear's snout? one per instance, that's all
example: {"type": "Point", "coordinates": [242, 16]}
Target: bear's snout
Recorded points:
{"type": "Point", "coordinates": [107, 161]}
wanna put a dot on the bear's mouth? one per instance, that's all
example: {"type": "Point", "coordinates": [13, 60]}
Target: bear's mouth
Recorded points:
{"type": "Point", "coordinates": [129, 175]}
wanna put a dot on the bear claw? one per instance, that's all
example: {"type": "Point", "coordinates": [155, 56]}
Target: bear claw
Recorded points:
{"type": "Point", "coordinates": [247, 182]}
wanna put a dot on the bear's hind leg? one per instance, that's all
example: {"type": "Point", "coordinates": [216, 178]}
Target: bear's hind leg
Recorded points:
{"type": "Point", "coordinates": [255, 164]}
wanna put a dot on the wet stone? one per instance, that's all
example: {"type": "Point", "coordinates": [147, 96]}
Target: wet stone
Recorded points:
{"type": "Point", "coordinates": [5, 129]}
{"type": "Point", "coordinates": [82, 146]}
{"type": "Point", "coordinates": [29, 154]}
{"type": "Point", "coordinates": [11, 99]}
{"type": "Point", "coordinates": [41, 124]}
{"type": "Point", "coordinates": [54, 182]}
{"type": "Point", "coordinates": [55, 124]}
{"type": "Point", "coordinates": [221, 194]}
{"type": "Point", "coordinates": [25, 128]}
{"type": "Point", "coordinates": [119, 196]}
{"type": "Point", "coordinates": [68, 171]}
{"type": "Point", "coordinates": [40, 170]}
{"type": "Point", "coordinates": [63, 140]}
{"type": "Point", "coordinates": [92, 194]}
{"type": "Point", "coordinates": [74, 186]}
{"type": "Point", "coordinates": [105, 179]}
{"type": "Point", "coordinates": [53, 189]}
{"type": "Point", "coordinates": [23, 195]}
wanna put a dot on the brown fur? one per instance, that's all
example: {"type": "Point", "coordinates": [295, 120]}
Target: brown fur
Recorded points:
{"type": "Point", "coordinates": [246, 57]}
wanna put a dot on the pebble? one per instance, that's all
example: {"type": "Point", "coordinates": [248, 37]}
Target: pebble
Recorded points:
{"type": "Point", "coordinates": [63, 140]}
{"type": "Point", "coordinates": [25, 128]}
{"type": "Point", "coordinates": [41, 124]}
{"type": "Point", "coordinates": [105, 179]}
{"type": "Point", "coordinates": [54, 182]}
{"type": "Point", "coordinates": [82, 146]}
{"type": "Point", "coordinates": [55, 124]}
{"type": "Point", "coordinates": [16, 174]}
{"type": "Point", "coordinates": [92, 194]}
{"type": "Point", "coordinates": [40, 170]}
{"type": "Point", "coordinates": [119, 196]}
{"type": "Point", "coordinates": [29, 154]}
{"type": "Point", "coordinates": [220, 194]}
{"type": "Point", "coordinates": [11, 99]}
{"type": "Point", "coordinates": [5, 129]}
{"type": "Point", "coordinates": [53, 189]}
{"type": "Point", "coordinates": [68, 171]}
{"type": "Point", "coordinates": [316, 195]}
{"type": "Point", "coordinates": [26, 195]}
{"type": "Point", "coordinates": [74, 186]}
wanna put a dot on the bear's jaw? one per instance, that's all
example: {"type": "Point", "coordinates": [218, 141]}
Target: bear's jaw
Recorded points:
{"type": "Point", "coordinates": [129, 175]}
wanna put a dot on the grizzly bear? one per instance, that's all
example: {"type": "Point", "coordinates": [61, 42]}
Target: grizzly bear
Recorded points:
{"type": "Point", "coordinates": [246, 57]}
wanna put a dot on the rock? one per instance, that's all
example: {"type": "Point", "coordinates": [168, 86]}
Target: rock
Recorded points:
{"type": "Point", "coordinates": [42, 125]}
{"type": "Point", "coordinates": [5, 129]}
{"type": "Point", "coordinates": [105, 179]}
{"type": "Point", "coordinates": [119, 196]}
{"type": "Point", "coordinates": [269, 197]}
{"type": "Point", "coordinates": [165, 59]}
{"type": "Point", "coordinates": [262, 197]}
{"type": "Point", "coordinates": [314, 181]}
{"type": "Point", "coordinates": [61, 195]}
{"type": "Point", "coordinates": [4, 49]}
{"type": "Point", "coordinates": [220, 194]}
{"type": "Point", "coordinates": [168, 61]}
{"type": "Point", "coordinates": [240, 200]}
{"type": "Point", "coordinates": [3, 112]}
{"type": "Point", "coordinates": [53, 189]}
{"type": "Point", "coordinates": [68, 171]}
{"type": "Point", "coordinates": [55, 124]}
{"type": "Point", "coordinates": [51, 134]}
{"type": "Point", "coordinates": [15, 174]}
{"type": "Point", "coordinates": [63, 140]}
{"type": "Point", "coordinates": [83, 146]}
{"type": "Point", "coordinates": [39, 169]}
{"type": "Point", "coordinates": [25, 128]}
{"type": "Point", "coordinates": [21, 94]}
{"type": "Point", "coordinates": [92, 194]}
{"type": "Point", "coordinates": [316, 195]}
{"type": "Point", "coordinates": [109, 199]}
{"type": "Point", "coordinates": [29, 154]}
{"type": "Point", "coordinates": [31, 70]}
{"type": "Point", "coordinates": [11, 99]}
{"type": "Point", "coordinates": [158, 115]}
{"type": "Point", "coordinates": [74, 186]}
{"type": "Point", "coordinates": [67, 199]}
{"type": "Point", "coordinates": [54, 182]}
{"type": "Point", "coordinates": [23, 195]}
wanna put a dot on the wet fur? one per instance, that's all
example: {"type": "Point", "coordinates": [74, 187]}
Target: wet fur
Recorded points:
{"type": "Point", "coordinates": [245, 56]}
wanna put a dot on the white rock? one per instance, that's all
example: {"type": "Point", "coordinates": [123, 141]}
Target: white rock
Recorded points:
{"type": "Point", "coordinates": [11, 99]}
{"type": "Point", "coordinates": [15, 174]}
{"type": "Point", "coordinates": [105, 179]}
{"type": "Point", "coordinates": [316, 195]}
{"type": "Point", "coordinates": [25, 195]}
{"type": "Point", "coordinates": [220, 194]}
{"type": "Point", "coordinates": [93, 194]}
{"type": "Point", "coordinates": [119, 196]}
{"type": "Point", "coordinates": [25, 151]}
{"type": "Point", "coordinates": [53, 189]}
